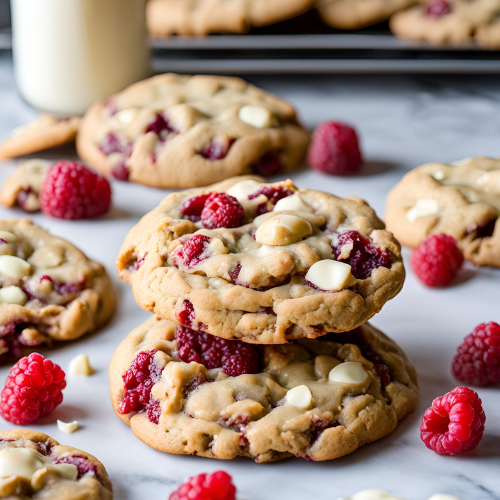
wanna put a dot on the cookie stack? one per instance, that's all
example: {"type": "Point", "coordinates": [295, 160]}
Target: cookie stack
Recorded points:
{"type": "Point", "coordinates": [260, 345]}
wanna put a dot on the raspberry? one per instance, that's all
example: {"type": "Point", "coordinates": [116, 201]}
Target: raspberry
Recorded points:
{"type": "Point", "coordinates": [273, 194]}
{"type": "Point", "coordinates": [437, 8]}
{"type": "Point", "coordinates": [437, 260]}
{"type": "Point", "coordinates": [222, 210]}
{"type": "Point", "coordinates": [186, 314]}
{"type": "Point", "coordinates": [484, 230]}
{"type": "Point", "coordinates": [32, 390]}
{"type": "Point", "coordinates": [364, 257]}
{"type": "Point", "coordinates": [82, 464]}
{"type": "Point", "coordinates": [120, 172]}
{"type": "Point", "coordinates": [64, 288]}
{"type": "Point", "coordinates": [218, 148]}
{"type": "Point", "coordinates": [269, 164]}
{"type": "Point", "coordinates": [477, 361]}
{"type": "Point", "coordinates": [194, 250]}
{"type": "Point", "coordinates": [72, 191]}
{"type": "Point", "coordinates": [233, 356]}
{"type": "Point", "coordinates": [455, 422]}
{"type": "Point", "coordinates": [191, 209]}
{"type": "Point", "coordinates": [112, 143]}
{"type": "Point", "coordinates": [215, 486]}
{"type": "Point", "coordinates": [334, 149]}
{"type": "Point", "coordinates": [161, 127]}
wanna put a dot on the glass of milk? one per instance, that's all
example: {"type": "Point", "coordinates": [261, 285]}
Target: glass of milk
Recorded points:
{"type": "Point", "coordinates": [68, 53]}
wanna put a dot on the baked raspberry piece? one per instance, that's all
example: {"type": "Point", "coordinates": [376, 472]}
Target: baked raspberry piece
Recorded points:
{"type": "Point", "coordinates": [81, 463]}
{"type": "Point", "coordinates": [112, 143]}
{"type": "Point", "coordinates": [273, 194]}
{"type": "Point", "coordinates": [215, 486]}
{"type": "Point", "coordinates": [32, 390]}
{"type": "Point", "coordinates": [72, 191]}
{"type": "Point", "coordinates": [437, 8]}
{"type": "Point", "coordinates": [222, 210]}
{"type": "Point", "coordinates": [218, 148]}
{"type": "Point", "coordinates": [437, 260]}
{"type": "Point", "coordinates": [269, 164]}
{"type": "Point", "coordinates": [120, 172]}
{"type": "Point", "coordinates": [161, 127]}
{"type": "Point", "coordinates": [334, 149]}
{"type": "Point", "coordinates": [477, 361]}
{"type": "Point", "coordinates": [364, 256]}
{"type": "Point", "coordinates": [193, 251]}
{"type": "Point", "coordinates": [454, 423]}
{"type": "Point", "coordinates": [233, 356]}
{"type": "Point", "coordinates": [191, 209]}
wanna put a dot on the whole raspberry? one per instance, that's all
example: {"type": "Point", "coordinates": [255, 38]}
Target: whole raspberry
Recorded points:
{"type": "Point", "coordinates": [72, 191]}
{"type": "Point", "coordinates": [32, 390]}
{"type": "Point", "coordinates": [437, 260]}
{"type": "Point", "coordinates": [334, 149]}
{"type": "Point", "coordinates": [191, 209]}
{"type": "Point", "coordinates": [215, 486]}
{"type": "Point", "coordinates": [455, 422]}
{"type": "Point", "coordinates": [477, 361]}
{"type": "Point", "coordinates": [222, 210]}
{"type": "Point", "coordinates": [437, 8]}
{"type": "Point", "coordinates": [193, 251]}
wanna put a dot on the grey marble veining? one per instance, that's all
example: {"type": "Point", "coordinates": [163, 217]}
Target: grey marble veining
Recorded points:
{"type": "Point", "coordinates": [402, 122]}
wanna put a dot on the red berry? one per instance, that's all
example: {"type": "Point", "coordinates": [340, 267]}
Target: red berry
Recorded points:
{"type": "Point", "coordinates": [477, 361]}
{"type": "Point", "coordinates": [269, 164]}
{"type": "Point", "coordinates": [437, 8]}
{"type": "Point", "coordinates": [161, 127]}
{"type": "Point", "coordinates": [437, 260]}
{"type": "Point", "coordinates": [454, 423]}
{"type": "Point", "coordinates": [81, 463]}
{"type": "Point", "coordinates": [32, 389]}
{"type": "Point", "coordinates": [273, 194]}
{"type": "Point", "coordinates": [215, 486]}
{"type": "Point", "coordinates": [186, 315]}
{"type": "Point", "coordinates": [72, 191]}
{"type": "Point", "coordinates": [193, 251]}
{"type": "Point", "coordinates": [218, 148]}
{"type": "Point", "coordinates": [334, 149]}
{"type": "Point", "coordinates": [191, 209]}
{"type": "Point", "coordinates": [222, 210]}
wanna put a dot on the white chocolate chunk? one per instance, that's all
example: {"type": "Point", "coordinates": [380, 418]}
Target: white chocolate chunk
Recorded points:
{"type": "Point", "coordinates": [80, 366]}
{"type": "Point", "coordinates": [68, 427]}
{"type": "Point", "coordinates": [283, 229]}
{"type": "Point", "coordinates": [47, 257]}
{"type": "Point", "coordinates": [439, 175]}
{"type": "Point", "coordinates": [257, 116]}
{"type": "Point", "coordinates": [422, 208]}
{"type": "Point", "coordinates": [13, 295]}
{"type": "Point", "coordinates": [293, 202]}
{"type": "Point", "coordinates": [8, 237]}
{"type": "Point", "coordinates": [242, 189]}
{"type": "Point", "coordinates": [14, 267]}
{"type": "Point", "coordinates": [484, 179]}
{"type": "Point", "coordinates": [262, 251]}
{"type": "Point", "coordinates": [330, 275]}
{"type": "Point", "coordinates": [299, 396]}
{"type": "Point", "coordinates": [349, 372]}
{"type": "Point", "coordinates": [123, 118]}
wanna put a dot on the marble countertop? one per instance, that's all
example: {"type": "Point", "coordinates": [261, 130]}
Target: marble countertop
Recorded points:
{"type": "Point", "coordinates": [403, 122]}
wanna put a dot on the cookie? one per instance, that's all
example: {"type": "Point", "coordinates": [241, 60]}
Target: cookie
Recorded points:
{"type": "Point", "coordinates": [33, 465]}
{"type": "Point", "coordinates": [315, 399]}
{"type": "Point", "coordinates": [444, 21]}
{"type": "Point", "coordinates": [460, 199]}
{"type": "Point", "coordinates": [356, 14]}
{"type": "Point", "coordinates": [175, 131]}
{"type": "Point", "coordinates": [49, 290]}
{"type": "Point", "coordinates": [23, 186]}
{"type": "Point", "coordinates": [309, 264]}
{"type": "Point", "coordinates": [488, 35]}
{"type": "Point", "coordinates": [45, 132]}
{"type": "Point", "coordinates": [202, 17]}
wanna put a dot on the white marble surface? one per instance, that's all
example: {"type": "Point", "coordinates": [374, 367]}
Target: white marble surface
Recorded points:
{"type": "Point", "coordinates": [402, 122]}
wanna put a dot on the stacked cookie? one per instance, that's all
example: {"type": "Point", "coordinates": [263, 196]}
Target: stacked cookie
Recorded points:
{"type": "Point", "coordinates": [260, 346]}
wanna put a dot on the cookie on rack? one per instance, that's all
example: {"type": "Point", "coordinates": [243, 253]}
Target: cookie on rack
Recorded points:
{"type": "Point", "coordinates": [49, 290]}
{"type": "Point", "coordinates": [44, 132]}
{"type": "Point", "coordinates": [263, 263]}
{"type": "Point", "coordinates": [444, 21]}
{"type": "Point", "coordinates": [34, 465]}
{"type": "Point", "coordinates": [202, 17]}
{"type": "Point", "coordinates": [356, 14]}
{"type": "Point", "coordinates": [187, 392]}
{"type": "Point", "coordinates": [175, 131]}
{"type": "Point", "coordinates": [460, 199]}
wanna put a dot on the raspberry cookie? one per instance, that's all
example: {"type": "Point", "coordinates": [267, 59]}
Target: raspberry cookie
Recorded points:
{"type": "Point", "coordinates": [202, 17]}
{"type": "Point", "coordinates": [45, 132]}
{"type": "Point", "coordinates": [315, 399]}
{"type": "Point", "coordinates": [488, 35]}
{"type": "Point", "coordinates": [460, 199]}
{"type": "Point", "coordinates": [33, 465]}
{"type": "Point", "coordinates": [175, 131]}
{"type": "Point", "coordinates": [263, 263]}
{"type": "Point", "coordinates": [49, 290]}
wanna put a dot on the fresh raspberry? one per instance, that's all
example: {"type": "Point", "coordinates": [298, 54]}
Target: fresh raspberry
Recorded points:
{"type": "Point", "coordinates": [161, 127]}
{"type": "Point", "coordinates": [191, 209]}
{"type": "Point", "coordinates": [269, 164]}
{"type": "Point", "coordinates": [218, 148]}
{"type": "Point", "coordinates": [437, 260]}
{"type": "Point", "coordinates": [477, 361]}
{"type": "Point", "coordinates": [437, 8]}
{"type": "Point", "coordinates": [193, 251]}
{"type": "Point", "coordinates": [364, 257]}
{"type": "Point", "coordinates": [334, 149]}
{"type": "Point", "coordinates": [215, 486]}
{"type": "Point", "coordinates": [222, 210]}
{"type": "Point", "coordinates": [233, 356]}
{"type": "Point", "coordinates": [72, 191]}
{"type": "Point", "coordinates": [455, 422]}
{"type": "Point", "coordinates": [32, 390]}
{"type": "Point", "coordinates": [82, 464]}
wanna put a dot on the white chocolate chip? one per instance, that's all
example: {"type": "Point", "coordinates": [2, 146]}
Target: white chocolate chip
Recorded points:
{"type": "Point", "coordinates": [439, 175]}
{"type": "Point", "coordinates": [47, 257]}
{"type": "Point", "coordinates": [13, 295]}
{"type": "Point", "coordinates": [257, 116]}
{"type": "Point", "coordinates": [8, 237]}
{"type": "Point", "coordinates": [299, 396]}
{"type": "Point", "coordinates": [330, 275]}
{"type": "Point", "coordinates": [293, 202]}
{"type": "Point", "coordinates": [123, 118]}
{"type": "Point", "coordinates": [422, 208]}
{"type": "Point", "coordinates": [283, 229]}
{"type": "Point", "coordinates": [14, 267]}
{"type": "Point", "coordinates": [349, 372]}
{"type": "Point", "coordinates": [242, 189]}
{"type": "Point", "coordinates": [262, 251]}
{"type": "Point", "coordinates": [80, 366]}
{"type": "Point", "coordinates": [484, 179]}
{"type": "Point", "coordinates": [68, 427]}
